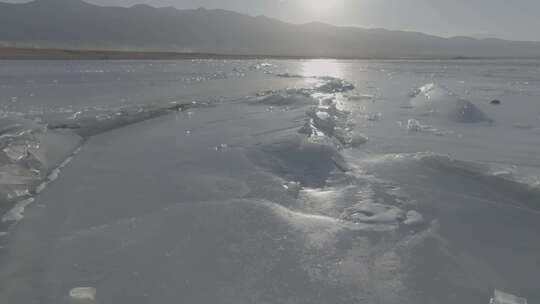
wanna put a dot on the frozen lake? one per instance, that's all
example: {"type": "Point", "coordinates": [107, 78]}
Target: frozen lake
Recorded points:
{"type": "Point", "coordinates": [317, 181]}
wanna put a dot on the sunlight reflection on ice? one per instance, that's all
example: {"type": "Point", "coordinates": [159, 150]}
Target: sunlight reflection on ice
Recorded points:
{"type": "Point", "coordinates": [322, 67]}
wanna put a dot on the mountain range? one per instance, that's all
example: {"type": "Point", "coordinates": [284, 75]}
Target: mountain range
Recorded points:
{"type": "Point", "coordinates": [74, 24]}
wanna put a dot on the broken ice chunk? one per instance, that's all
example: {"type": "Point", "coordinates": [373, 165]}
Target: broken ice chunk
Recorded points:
{"type": "Point", "coordinates": [16, 152]}
{"type": "Point", "coordinates": [373, 213]}
{"type": "Point", "coordinates": [413, 218]}
{"type": "Point", "coordinates": [293, 188]}
{"type": "Point", "coordinates": [16, 213]}
{"type": "Point", "coordinates": [358, 140]}
{"type": "Point", "coordinates": [414, 125]}
{"type": "Point", "coordinates": [374, 116]}
{"type": "Point", "coordinates": [221, 147]}
{"type": "Point", "coordinates": [361, 97]}
{"type": "Point", "coordinates": [500, 297]}
{"type": "Point", "coordinates": [85, 295]}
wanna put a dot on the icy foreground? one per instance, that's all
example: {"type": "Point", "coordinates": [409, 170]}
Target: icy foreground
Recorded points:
{"type": "Point", "coordinates": [304, 195]}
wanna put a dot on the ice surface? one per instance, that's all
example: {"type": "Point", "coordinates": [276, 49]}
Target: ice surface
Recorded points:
{"type": "Point", "coordinates": [524, 126]}
{"type": "Point", "coordinates": [268, 205]}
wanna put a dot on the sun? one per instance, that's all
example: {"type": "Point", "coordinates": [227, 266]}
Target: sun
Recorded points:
{"type": "Point", "coordinates": [321, 6]}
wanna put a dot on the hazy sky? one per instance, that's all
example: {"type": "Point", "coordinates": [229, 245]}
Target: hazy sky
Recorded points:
{"type": "Point", "coordinates": [510, 19]}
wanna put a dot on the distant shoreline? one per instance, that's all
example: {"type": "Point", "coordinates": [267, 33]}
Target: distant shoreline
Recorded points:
{"type": "Point", "coordinates": [17, 53]}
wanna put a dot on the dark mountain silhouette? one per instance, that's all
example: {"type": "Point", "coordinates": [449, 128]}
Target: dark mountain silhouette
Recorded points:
{"type": "Point", "coordinates": [76, 24]}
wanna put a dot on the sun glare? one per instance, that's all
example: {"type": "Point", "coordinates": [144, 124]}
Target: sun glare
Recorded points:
{"type": "Point", "coordinates": [321, 6]}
